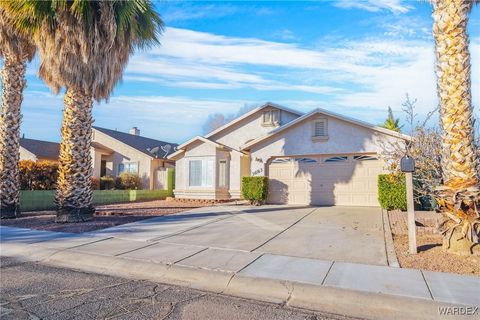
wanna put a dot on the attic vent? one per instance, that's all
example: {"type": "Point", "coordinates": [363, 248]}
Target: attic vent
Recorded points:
{"type": "Point", "coordinates": [320, 128]}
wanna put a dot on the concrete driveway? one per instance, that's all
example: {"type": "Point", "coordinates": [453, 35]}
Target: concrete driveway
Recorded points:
{"type": "Point", "coordinates": [351, 234]}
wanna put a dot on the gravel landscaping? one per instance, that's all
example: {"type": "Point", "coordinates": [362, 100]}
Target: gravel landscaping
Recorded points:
{"type": "Point", "coordinates": [429, 243]}
{"type": "Point", "coordinates": [106, 216]}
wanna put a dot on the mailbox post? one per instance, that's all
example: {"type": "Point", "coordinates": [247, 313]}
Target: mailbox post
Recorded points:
{"type": "Point", "coordinates": [407, 165]}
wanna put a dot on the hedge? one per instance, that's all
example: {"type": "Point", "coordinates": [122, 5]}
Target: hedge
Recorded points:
{"type": "Point", "coordinates": [255, 189]}
{"type": "Point", "coordinates": [392, 192]}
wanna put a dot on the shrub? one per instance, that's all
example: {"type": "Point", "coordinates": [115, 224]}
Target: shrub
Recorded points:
{"type": "Point", "coordinates": [128, 181]}
{"type": "Point", "coordinates": [95, 183]}
{"type": "Point", "coordinates": [392, 191]}
{"type": "Point", "coordinates": [255, 189]}
{"type": "Point", "coordinates": [107, 182]}
{"type": "Point", "coordinates": [40, 175]}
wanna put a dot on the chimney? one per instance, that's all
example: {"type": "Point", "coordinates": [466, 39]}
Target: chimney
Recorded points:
{"type": "Point", "coordinates": [135, 131]}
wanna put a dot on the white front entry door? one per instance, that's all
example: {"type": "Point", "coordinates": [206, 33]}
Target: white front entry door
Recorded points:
{"type": "Point", "coordinates": [349, 180]}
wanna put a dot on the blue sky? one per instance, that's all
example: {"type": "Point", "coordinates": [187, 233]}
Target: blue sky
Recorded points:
{"type": "Point", "coordinates": [352, 57]}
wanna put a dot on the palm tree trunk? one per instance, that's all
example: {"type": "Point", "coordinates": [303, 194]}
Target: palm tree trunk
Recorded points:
{"type": "Point", "coordinates": [74, 192]}
{"type": "Point", "coordinates": [13, 83]}
{"type": "Point", "coordinates": [459, 196]}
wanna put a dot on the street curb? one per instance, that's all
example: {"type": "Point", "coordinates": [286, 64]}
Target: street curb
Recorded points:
{"type": "Point", "coordinates": [389, 245]}
{"type": "Point", "coordinates": [294, 294]}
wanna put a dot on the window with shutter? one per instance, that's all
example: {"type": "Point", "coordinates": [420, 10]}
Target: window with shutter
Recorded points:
{"type": "Point", "coordinates": [222, 173]}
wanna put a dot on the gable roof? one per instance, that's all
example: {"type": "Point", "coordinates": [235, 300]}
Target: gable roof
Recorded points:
{"type": "Point", "coordinates": [330, 114]}
{"type": "Point", "coordinates": [238, 119]}
{"type": "Point", "coordinates": [151, 147]}
{"type": "Point", "coordinates": [40, 148]}
{"type": "Point", "coordinates": [181, 148]}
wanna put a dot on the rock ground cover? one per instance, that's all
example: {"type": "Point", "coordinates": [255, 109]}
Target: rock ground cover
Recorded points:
{"type": "Point", "coordinates": [106, 216]}
{"type": "Point", "coordinates": [429, 243]}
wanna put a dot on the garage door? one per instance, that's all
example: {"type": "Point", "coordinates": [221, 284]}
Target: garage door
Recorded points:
{"type": "Point", "coordinates": [349, 180]}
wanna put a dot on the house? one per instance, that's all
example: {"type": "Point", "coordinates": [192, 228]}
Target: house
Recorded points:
{"type": "Point", "coordinates": [318, 158]}
{"type": "Point", "coordinates": [114, 152]}
{"type": "Point", "coordinates": [38, 150]}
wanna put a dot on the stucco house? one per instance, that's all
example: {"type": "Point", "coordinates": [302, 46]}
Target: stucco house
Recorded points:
{"type": "Point", "coordinates": [318, 158]}
{"type": "Point", "coordinates": [38, 150]}
{"type": "Point", "coordinates": [114, 152]}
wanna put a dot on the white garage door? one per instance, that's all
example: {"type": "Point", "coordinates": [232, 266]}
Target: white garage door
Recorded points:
{"type": "Point", "coordinates": [350, 180]}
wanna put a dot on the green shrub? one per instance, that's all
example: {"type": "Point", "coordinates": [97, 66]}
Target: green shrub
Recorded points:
{"type": "Point", "coordinates": [255, 189]}
{"type": "Point", "coordinates": [107, 182]}
{"type": "Point", "coordinates": [128, 181]}
{"type": "Point", "coordinates": [392, 191]}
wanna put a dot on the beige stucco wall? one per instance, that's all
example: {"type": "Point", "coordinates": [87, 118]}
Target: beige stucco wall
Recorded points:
{"type": "Point", "coordinates": [122, 153]}
{"type": "Point", "coordinates": [343, 138]}
{"type": "Point", "coordinates": [249, 128]}
{"type": "Point", "coordinates": [26, 155]}
{"type": "Point", "coordinates": [196, 151]}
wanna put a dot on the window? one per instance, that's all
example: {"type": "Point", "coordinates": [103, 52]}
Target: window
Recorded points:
{"type": "Point", "coordinates": [337, 159]}
{"type": "Point", "coordinates": [129, 167]}
{"type": "Point", "coordinates": [306, 160]}
{"type": "Point", "coordinates": [200, 173]}
{"type": "Point", "coordinates": [320, 128]}
{"type": "Point", "coordinates": [364, 158]}
{"type": "Point", "coordinates": [222, 173]}
{"type": "Point", "coordinates": [281, 160]}
{"type": "Point", "coordinates": [271, 117]}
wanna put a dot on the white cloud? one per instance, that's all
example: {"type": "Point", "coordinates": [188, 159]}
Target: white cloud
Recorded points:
{"type": "Point", "coordinates": [395, 6]}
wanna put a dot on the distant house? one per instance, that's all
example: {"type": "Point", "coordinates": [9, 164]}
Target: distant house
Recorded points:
{"type": "Point", "coordinates": [114, 152]}
{"type": "Point", "coordinates": [38, 150]}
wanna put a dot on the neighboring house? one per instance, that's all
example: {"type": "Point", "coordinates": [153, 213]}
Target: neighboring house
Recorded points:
{"type": "Point", "coordinates": [38, 150]}
{"type": "Point", "coordinates": [319, 158]}
{"type": "Point", "coordinates": [114, 152]}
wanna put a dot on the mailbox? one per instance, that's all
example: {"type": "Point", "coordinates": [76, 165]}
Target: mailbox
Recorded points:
{"type": "Point", "coordinates": [407, 164]}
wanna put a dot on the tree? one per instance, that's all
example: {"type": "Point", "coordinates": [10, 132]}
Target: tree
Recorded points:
{"type": "Point", "coordinates": [15, 49]}
{"type": "Point", "coordinates": [459, 196]}
{"type": "Point", "coordinates": [425, 147]}
{"type": "Point", "coordinates": [391, 123]}
{"type": "Point", "coordinates": [216, 120]}
{"type": "Point", "coordinates": [84, 47]}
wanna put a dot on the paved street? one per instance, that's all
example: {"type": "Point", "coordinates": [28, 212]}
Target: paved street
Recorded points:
{"type": "Point", "coordinates": [34, 291]}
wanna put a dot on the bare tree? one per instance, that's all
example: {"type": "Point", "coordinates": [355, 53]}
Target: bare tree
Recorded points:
{"type": "Point", "coordinates": [216, 120]}
{"type": "Point", "coordinates": [425, 148]}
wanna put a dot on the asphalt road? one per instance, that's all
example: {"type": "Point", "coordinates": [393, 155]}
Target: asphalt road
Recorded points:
{"type": "Point", "coordinates": [35, 291]}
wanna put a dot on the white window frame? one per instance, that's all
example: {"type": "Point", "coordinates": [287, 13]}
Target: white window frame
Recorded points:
{"type": "Point", "coordinates": [207, 172]}
{"type": "Point", "coordinates": [127, 167]}
{"type": "Point", "coordinates": [271, 118]}
{"type": "Point", "coordinates": [323, 137]}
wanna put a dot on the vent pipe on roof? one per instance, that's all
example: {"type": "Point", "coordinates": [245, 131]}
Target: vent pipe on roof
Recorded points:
{"type": "Point", "coordinates": [135, 131]}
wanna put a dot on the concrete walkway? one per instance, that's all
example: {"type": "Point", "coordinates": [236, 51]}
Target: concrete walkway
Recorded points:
{"type": "Point", "coordinates": [215, 249]}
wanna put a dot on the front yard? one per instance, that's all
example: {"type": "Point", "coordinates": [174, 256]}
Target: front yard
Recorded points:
{"type": "Point", "coordinates": [429, 243]}
{"type": "Point", "coordinates": [106, 216]}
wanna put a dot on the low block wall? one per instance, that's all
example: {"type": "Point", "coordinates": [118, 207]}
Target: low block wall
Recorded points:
{"type": "Point", "coordinates": [35, 200]}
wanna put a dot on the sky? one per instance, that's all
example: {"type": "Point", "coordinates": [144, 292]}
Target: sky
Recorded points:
{"type": "Point", "coordinates": [352, 57]}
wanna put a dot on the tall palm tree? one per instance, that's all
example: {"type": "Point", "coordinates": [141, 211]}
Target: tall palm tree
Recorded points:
{"type": "Point", "coordinates": [15, 49]}
{"type": "Point", "coordinates": [84, 47]}
{"type": "Point", "coordinates": [459, 197]}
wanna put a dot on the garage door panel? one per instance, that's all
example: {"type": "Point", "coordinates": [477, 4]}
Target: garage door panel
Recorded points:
{"type": "Point", "coordinates": [352, 182]}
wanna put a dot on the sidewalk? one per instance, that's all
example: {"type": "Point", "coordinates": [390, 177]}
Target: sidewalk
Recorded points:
{"type": "Point", "coordinates": [373, 292]}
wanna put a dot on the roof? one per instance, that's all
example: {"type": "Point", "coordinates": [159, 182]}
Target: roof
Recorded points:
{"type": "Point", "coordinates": [330, 114]}
{"type": "Point", "coordinates": [151, 147]}
{"type": "Point", "coordinates": [236, 120]}
{"type": "Point", "coordinates": [42, 149]}
{"type": "Point", "coordinates": [181, 148]}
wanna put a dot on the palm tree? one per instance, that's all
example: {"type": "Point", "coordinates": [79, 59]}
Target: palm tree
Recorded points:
{"type": "Point", "coordinates": [15, 49]}
{"type": "Point", "coordinates": [392, 123]}
{"type": "Point", "coordinates": [84, 47]}
{"type": "Point", "coordinates": [459, 197]}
